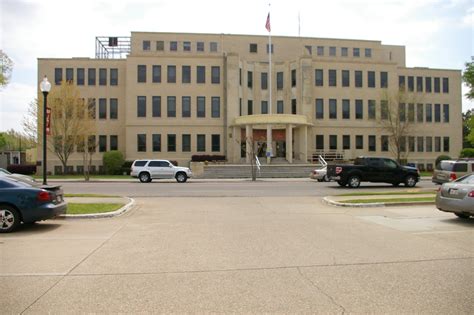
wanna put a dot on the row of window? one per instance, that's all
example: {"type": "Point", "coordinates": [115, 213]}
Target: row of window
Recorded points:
{"type": "Point", "coordinates": [80, 77]}
{"type": "Point", "coordinates": [407, 112]}
{"type": "Point", "coordinates": [280, 108]}
{"type": "Point", "coordinates": [91, 143]}
{"type": "Point", "coordinates": [171, 74]}
{"type": "Point", "coordinates": [346, 78]}
{"type": "Point", "coordinates": [181, 46]}
{"type": "Point", "coordinates": [171, 145]}
{"type": "Point", "coordinates": [343, 51]}
{"type": "Point", "coordinates": [423, 84]}
{"type": "Point", "coordinates": [186, 106]}
{"type": "Point", "coordinates": [407, 144]}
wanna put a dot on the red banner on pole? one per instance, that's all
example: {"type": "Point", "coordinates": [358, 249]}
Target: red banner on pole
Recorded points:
{"type": "Point", "coordinates": [48, 121]}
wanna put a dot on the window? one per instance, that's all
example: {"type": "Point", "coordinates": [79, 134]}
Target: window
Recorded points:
{"type": "Point", "coordinates": [216, 143]}
{"type": "Point", "coordinates": [384, 143]}
{"type": "Point", "coordinates": [371, 79]}
{"type": "Point", "coordinates": [446, 113]}
{"type": "Point", "coordinates": [359, 142]}
{"type": "Point", "coordinates": [80, 76]}
{"type": "Point", "coordinates": [141, 73]}
{"type": "Point", "coordinates": [186, 74]}
{"type": "Point", "coordinates": [333, 109]}
{"type": "Point", "coordinates": [264, 107]}
{"type": "Point", "coordinates": [419, 144]}
{"type": "Point", "coordinates": [249, 79]}
{"type": "Point", "coordinates": [69, 75]}
{"type": "Point", "coordinates": [215, 107]}
{"type": "Point", "coordinates": [253, 48]}
{"type": "Point", "coordinates": [200, 46]}
{"type": "Point", "coordinates": [384, 109]}
{"type": "Point", "coordinates": [411, 144]}
{"type": "Point", "coordinates": [141, 106]}
{"type": "Point", "coordinates": [428, 113]}
{"type": "Point", "coordinates": [91, 144]}
{"type": "Point", "coordinates": [319, 142]}
{"type": "Point", "coordinates": [318, 75]}
{"type": "Point", "coordinates": [58, 75]}
{"type": "Point", "coordinates": [437, 144]}
{"type": "Point", "coordinates": [332, 142]}
{"type": "Point", "coordinates": [320, 50]}
{"type": "Point", "coordinates": [201, 143]}
{"type": "Point", "coordinates": [345, 78]}
{"type": "Point", "coordinates": [102, 108]}
{"type": "Point", "coordinates": [156, 141]}
{"type": "Point", "coordinates": [293, 78]}
{"type": "Point", "coordinates": [279, 80]}
{"type": "Point", "coordinates": [411, 84]}
{"type": "Point", "coordinates": [358, 79]}
{"type": "Point", "coordinates": [156, 106]}
{"type": "Point", "coordinates": [383, 79]}
{"type": "Point", "coordinates": [102, 143]}
{"type": "Point", "coordinates": [419, 113]}
{"type": "Point", "coordinates": [368, 52]}
{"type": "Point", "coordinates": [267, 48]}
{"type": "Point", "coordinates": [344, 51]}
{"type": "Point", "coordinates": [359, 109]}
{"type": "Point", "coordinates": [171, 143]}
{"type": "Point", "coordinates": [186, 106]}
{"type": "Point", "coordinates": [240, 76]}
{"type": "Point", "coordinates": [280, 107]}
{"type": "Point", "coordinates": [419, 84]}
{"type": "Point", "coordinates": [445, 85]}
{"type": "Point", "coordinates": [428, 84]}
{"type": "Point", "coordinates": [102, 76]}
{"type": "Point", "coordinates": [156, 74]}
{"type": "Point", "coordinates": [90, 76]}
{"type": "Point", "coordinates": [264, 81]}
{"type": "Point", "coordinates": [309, 49]}
{"type": "Point", "coordinates": [332, 78]}
{"type": "Point", "coordinates": [201, 74]}
{"type": "Point", "coordinates": [171, 106]}
{"type": "Point", "coordinates": [429, 144]}
{"type": "Point", "coordinates": [371, 109]}
{"type": "Point", "coordinates": [171, 74]}
{"type": "Point", "coordinates": [201, 106]}
{"type": "Point", "coordinates": [173, 46]}
{"type": "Point", "coordinates": [402, 111]}
{"type": "Point", "coordinates": [356, 52]}
{"type": "Point", "coordinates": [91, 107]}
{"type": "Point", "coordinates": [437, 87]}
{"type": "Point", "coordinates": [446, 144]}
{"type": "Point", "coordinates": [186, 143]}
{"type": "Point", "coordinates": [141, 142]}
{"type": "Point", "coordinates": [249, 107]}
{"type": "Point", "coordinates": [186, 46]}
{"type": "Point", "coordinates": [215, 75]}
{"type": "Point", "coordinates": [293, 106]}
{"type": "Point", "coordinates": [411, 112]}
{"type": "Point", "coordinates": [437, 114]}
{"type": "Point", "coordinates": [346, 142]}
{"type": "Point", "coordinates": [213, 46]}
{"type": "Point", "coordinates": [113, 108]}
{"type": "Point", "coordinates": [160, 45]}
{"type": "Point", "coordinates": [319, 108]}
{"type": "Point", "coordinates": [401, 82]}
{"type": "Point", "coordinates": [346, 109]}
{"type": "Point", "coordinates": [113, 143]}
{"type": "Point", "coordinates": [114, 76]}
{"type": "Point", "coordinates": [332, 51]}
{"type": "Point", "coordinates": [146, 45]}
{"type": "Point", "coordinates": [372, 144]}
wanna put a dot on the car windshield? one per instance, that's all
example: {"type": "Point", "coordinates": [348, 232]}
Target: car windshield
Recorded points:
{"type": "Point", "coordinates": [468, 179]}
{"type": "Point", "coordinates": [4, 171]}
{"type": "Point", "coordinates": [445, 166]}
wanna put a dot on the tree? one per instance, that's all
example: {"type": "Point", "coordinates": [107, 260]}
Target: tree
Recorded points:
{"type": "Point", "coordinates": [468, 78]}
{"type": "Point", "coordinates": [6, 67]}
{"type": "Point", "coordinates": [3, 140]}
{"type": "Point", "coordinates": [470, 125]}
{"type": "Point", "coordinates": [30, 122]}
{"type": "Point", "coordinates": [466, 128]}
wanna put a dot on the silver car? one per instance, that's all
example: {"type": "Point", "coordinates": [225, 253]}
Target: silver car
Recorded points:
{"type": "Point", "coordinates": [457, 197]}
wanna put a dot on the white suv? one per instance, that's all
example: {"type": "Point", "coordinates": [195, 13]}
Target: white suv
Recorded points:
{"type": "Point", "coordinates": [146, 170]}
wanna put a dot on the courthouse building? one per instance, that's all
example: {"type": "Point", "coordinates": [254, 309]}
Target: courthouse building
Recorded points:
{"type": "Point", "coordinates": [175, 95]}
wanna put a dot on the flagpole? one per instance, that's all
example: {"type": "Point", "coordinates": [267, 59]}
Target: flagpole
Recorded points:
{"type": "Point", "coordinates": [269, 126]}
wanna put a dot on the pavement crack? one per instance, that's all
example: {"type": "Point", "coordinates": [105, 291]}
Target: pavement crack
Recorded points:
{"type": "Point", "coordinates": [344, 311]}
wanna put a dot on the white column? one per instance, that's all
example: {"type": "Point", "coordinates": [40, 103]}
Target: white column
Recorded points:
{"type": "Point", "coordinates": [304, 143]}
{"type": "Point", "coordinates": [248, 142]}
{"type": "Point", "coordinates": [269, 144]}
{"type": "Point", "coordinates": [289, 143]}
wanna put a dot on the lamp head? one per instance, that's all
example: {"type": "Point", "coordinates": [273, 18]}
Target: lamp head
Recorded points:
{"type": "Point", "coordinates": [45, 86]}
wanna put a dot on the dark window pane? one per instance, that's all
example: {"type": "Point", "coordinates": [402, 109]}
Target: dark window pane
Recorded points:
{"type": "Point", "coordinates": [428, 84]}
{"type": "Point", "coordinates": [171, 106]}
{"type": "Point", "coordinates": [293, 77]}
{"type": "Point", "coordinates": [419, 84]}
{"type": "Point", "coordinates": [411, 84]}
{"type": "Point", "coordinates": [216, 143]}
{"type": "Point", "coordinates": [114, 76]}
{"type": "Point", "coordinates": [401, 82]}
{"type": "Point", "coordinates": [383, 79]}
{"type": "Point", "coordinates": [346, 109]}
{"type": "Point", "coordinates": [332, 78]}
{"type": "Point", "coordinates": [372, 143]}
{"type": "Point", "coordinates": [419, 113]}
{"type": "Point", "coordinates": [201, 74]}
{"type": "Point", "coordinates": [201, 143]}
{"type": "Point", "coordinates": [345, 78]}
{"type": "Point", "coordinates": [69, 75]}
{"type": "Point", "coordinates": [80, 76]}
{"type": "Point", "coordinates": [346, 142]}
{"type": "Point", "coordinates": [333, 109]}
{"type": "Point", "coordinates": [171, 74]}
{"type": "Point", "coordinates": [171, 143]}
{"type": "Point", "coordinates": [141, 73]}
{"type": "Point", "coordinates": [186, 74]}
{"type": "Point", "coordinates": [186, 143]}
{"type": "Point", "coordinates": [359, 109]}
{"type": "Point", "coordinates": [173, 46]}
{"type": "Point", "coordinates": [358, 78]}
{"type": "Point", "coordinates": [319, 80]}
{"type": "Point", "coordinates": [371, 79]}
{"type": "Point", "coordinates": [113, 143]}
{"type": "Point", "coordinates": [90, 76]}
{"type": "Point", "coordinates": [437, 114]}
{"type": "Point", "coordinates": [279, 80]}
{"type": "Point", "coordinates": [264, 81]}
{"type": "Point", "coordinates": [371, 109]}
{"type": "Point", "coordinates": [428, 113]}
{"type": "Point", "coordinates": [186, 106]}
{"type": "Point", "coordinates": [141, 142]}
{"type": "Point", "coordinates": [141, 106]}
{"type": "Point", "coordinates": [249, 107]}
{"type": "Point", "coordinates": [264, 107]}
{"type": "Point", "coordinates": [437, 85]}
{"type": "Point", "coordinates": [215, 107]}
{"type": "Point", "coordinates": [249, 79]}
{"type": "Point", "coordinates": [215, 75]}
{"type": "Point", "coordinates": [156, 141]}
{"type": "Point", "coordinates": [102, 143]}
{"type": "Point", "coordinates": [102, 76]}
{"type": "Point", "coordinates": [319, 108]}
{"type": "Point", "coordinates": [359, 142]}
{"type": "Point", "coordinates": [445, 85]}
{"type": "Point", "coordinates": [293, 106]}
{"type": "Point", "coordinates": [102, 108]}
{"type": "Point", "coordinates": [113, 108]}
{"type": "Point", "coordinates": [58, 75]}
{"type": "Point", "coordinates": [333, 142]}
{"type": "Point", "coordinates": [280, 107]}
{"type": "Point", "coordinates": [201, 106]}
{"type": "Point", "coordinates": [446, 113]}
{"type": "Point", "coordinates": [156, 106]}
{"type": "Point", "coordinates": [319, 142]}
{"type": "Point", "coordinates": [156, 74]}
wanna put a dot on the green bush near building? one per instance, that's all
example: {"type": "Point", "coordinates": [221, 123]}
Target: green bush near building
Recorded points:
{"type": "Point", "coordinates": [113, 161]}
{"type": "Point", "coordinates": [467, 153]}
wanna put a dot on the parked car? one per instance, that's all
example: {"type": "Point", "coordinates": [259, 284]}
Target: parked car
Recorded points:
{"type": "Point", "coordinates": [26, 178]}
{"type": "Point", "coordinates": [147, 170]}
{"type": "Point", "coordinates": [449, 170]}
{"type": "Point", "coordinates": [320, 174]}
{"type": "Point", "coordinates": [28, 202]}
{"type": "Point", "coordinates": [373, 169]}
{"type": "Point", "coordinates": [457, 197]}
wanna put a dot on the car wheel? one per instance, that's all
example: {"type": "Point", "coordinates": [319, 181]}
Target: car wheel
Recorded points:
{"type": "Point", "coordinates": [341, 183]}
{"type": "Point", "coordinates": [9, 219]}
{"type": "Point", "coordinates": [325, 178]}
{"type": "Point", "coordinates": [354, 181]}
{"type": "Point", "coordinates": [461, 215]}
{"type": "Point", "coordinates": [144, 177]}
{"type": "Point", "coordinates": [181, 177]}
{"type": "Point", "coordinates": [410, 181]}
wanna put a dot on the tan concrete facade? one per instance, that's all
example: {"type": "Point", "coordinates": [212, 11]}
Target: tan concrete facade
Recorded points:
{"type": "Point", "coordinates": [294, 118]}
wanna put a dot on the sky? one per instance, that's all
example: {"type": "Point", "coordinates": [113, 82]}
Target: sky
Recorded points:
{"type": "Point", "coordinates": [436, 33]}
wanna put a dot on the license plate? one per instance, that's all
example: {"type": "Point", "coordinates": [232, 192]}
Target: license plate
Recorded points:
{"type": "Point", "coordinates": [453, 192]}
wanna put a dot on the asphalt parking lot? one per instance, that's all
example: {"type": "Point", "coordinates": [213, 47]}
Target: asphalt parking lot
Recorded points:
{"type": "Point", "coordinates": [242, 255]}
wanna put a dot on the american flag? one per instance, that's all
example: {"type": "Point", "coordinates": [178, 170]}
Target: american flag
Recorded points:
{"type": "Point", "coordinates": [267, 25]}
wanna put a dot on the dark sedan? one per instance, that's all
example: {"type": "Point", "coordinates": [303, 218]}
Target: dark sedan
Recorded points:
{"type": "Point", "coordinates": [28, 203]}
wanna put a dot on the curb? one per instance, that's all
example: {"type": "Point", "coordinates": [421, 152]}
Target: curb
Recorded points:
{"type": "Point", "coordinates": [115, 213]}
{"type": "Point", "coordinates": [374, 204]}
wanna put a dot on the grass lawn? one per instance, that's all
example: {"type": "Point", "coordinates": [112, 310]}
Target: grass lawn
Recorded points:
{"type": "Point", "coordinates": [89, 195]}
{"type": "Point", "coordinates": [92, 177]}
{"type": "Point", "coordinates": [388, 200]}
{"type": "Point", "coordinates": [88, 208]}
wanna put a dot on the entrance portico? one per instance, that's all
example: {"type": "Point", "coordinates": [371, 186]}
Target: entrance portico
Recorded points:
{"type": "Point", "coordinates": [288, 136]}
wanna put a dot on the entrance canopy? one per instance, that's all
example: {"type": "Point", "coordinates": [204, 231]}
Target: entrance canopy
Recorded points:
{"type": "Point", "coordinates": [273, 119]}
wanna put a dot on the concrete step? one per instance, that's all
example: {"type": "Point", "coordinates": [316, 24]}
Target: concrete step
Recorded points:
{"type": "Point", "coordinates": [266, 171]}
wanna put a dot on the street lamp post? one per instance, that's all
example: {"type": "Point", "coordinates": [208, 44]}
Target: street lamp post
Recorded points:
{"type": "Point", "coordinates": [45, 87]}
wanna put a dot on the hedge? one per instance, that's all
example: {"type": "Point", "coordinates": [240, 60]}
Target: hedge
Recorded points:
{"type": "Point", "coordinates": [467, 153]}
{"type": "Point", "coordinates": [25, 169]}
{"type": "Point", "coordinates": [209, 158]}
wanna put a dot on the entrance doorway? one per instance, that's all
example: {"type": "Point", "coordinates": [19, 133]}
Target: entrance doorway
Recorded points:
{"type": "Point", "coordinates": [280, 149]}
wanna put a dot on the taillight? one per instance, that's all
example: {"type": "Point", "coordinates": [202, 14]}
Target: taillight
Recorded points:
{"type": "Point", "coordinates": [452, 176]}
{"type": "Point", "coordinates": [44, 196]}
{"type": "Point", "coordinates": [338, 169]}
{"type": "Point", "coordinates": [471, 194]}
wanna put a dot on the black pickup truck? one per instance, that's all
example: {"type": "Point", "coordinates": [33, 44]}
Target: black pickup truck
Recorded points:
{"type": "Point", "coordinates": [373, 169]}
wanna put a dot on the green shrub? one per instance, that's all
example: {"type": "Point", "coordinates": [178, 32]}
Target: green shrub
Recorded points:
{"type": "Point", "coordinates": [442, 158]}
{"type": "Point", "coordinates": [113, 161]}
{"type": "Point", "coordinates": [467, 153]}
